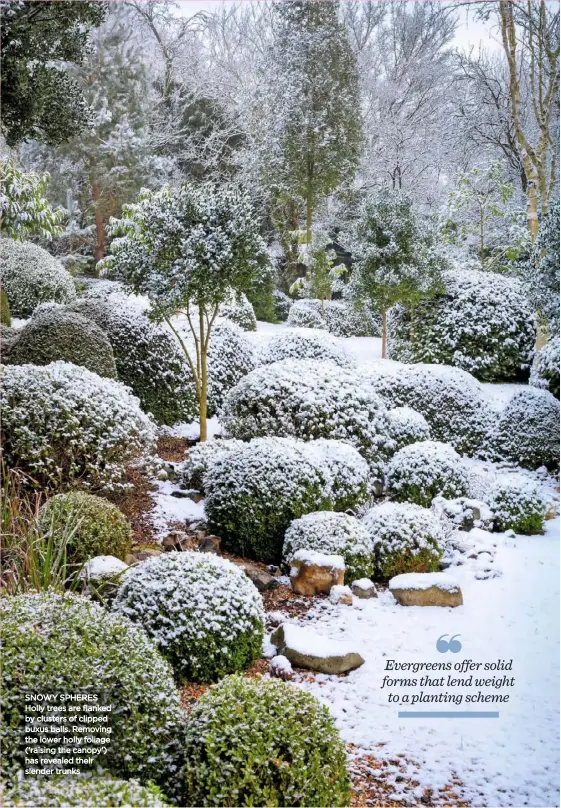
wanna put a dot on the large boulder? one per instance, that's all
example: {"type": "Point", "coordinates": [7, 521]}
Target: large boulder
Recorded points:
{"type": "Point", "coordinates": [426, 589]}
{"type": "Point", "coordinates": [306, 649]}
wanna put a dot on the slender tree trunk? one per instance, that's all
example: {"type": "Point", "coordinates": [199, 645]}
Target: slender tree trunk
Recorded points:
{"type": "Point", "coordinates": [384, 333]}
{"type": "Point", "coordinates": [481, 236]}
{"type": "Point", "coordinates": [309, 213]}
{"type": "Point", "coordinates": [204, 382]}
{"type": "Point", "coordinates": [99, 250]}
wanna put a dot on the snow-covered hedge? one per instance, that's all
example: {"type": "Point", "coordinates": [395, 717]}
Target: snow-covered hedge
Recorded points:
{"type": "Point", "coordinates": [334, 534]}
{"type": "Point", "coordinates": [98, 527]}
{"type": "Point", "coordinates": [30, 275]}
{"type": "Point", "coordinates": [304, 315]}
{"type": "Point", "coordinates": [282, 304]}
{"type": "Point", "coordinates": [407, 426]}
{"type": "Point", "coordinates": [263, 742]}
{"type": "Point", "coordinates": [82, 791]}
{"type": "Point", "coordinates": [202, 611]}
{"type": "Point", "coordinates": [545, 371]}
{"type": "Point", "coordinates": [58, 643]}
{"type": "Point", "coordinates": [199, 459]}
{"type": "Point", "coordinates": [422, 471]}
{"type": "Point", "coordinates": [101, 290]}
{"type": "Point", "coordinates": [405, 538]}
{"type": "Point", "coordinates": [256, 490]}
{"type": "Point", "coordinates": [482, 324]}
{"type": "Point", "coordinates": [518, 504]}
{"type": "Point", "coordinates": [148, 358]}
{"type": "Point", "coordinates": [230, 358]}
{"type": "Point", "coordinates": [339, 317]}
{"type": "Point", "coordinates": [452, 401]}
{"type": "Point", "coordinates": [527, 430]}
{"type": "Point", "coordinates": [347, 473]}
{"type": "Point", "coordinates": [304, 343]}
{"type": "Point", "coordinates": [55, 334]}
{"type": "Point", "coordinates": [307, 399]}
{"type": "Point", "coordinates": [68, 427]}
{"type": "Point", "coordinates": [240, 311]}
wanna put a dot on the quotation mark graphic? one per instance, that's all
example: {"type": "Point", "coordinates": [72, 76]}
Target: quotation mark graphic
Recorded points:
{"type": "Point", "coordinates": [452, 644]}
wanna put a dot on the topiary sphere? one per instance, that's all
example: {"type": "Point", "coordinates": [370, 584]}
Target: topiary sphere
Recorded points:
{"type": "Point", "coordinates": [344, 320]}
{"type": "Point", "coordinates": [303, 314]}
{"type": "Point", "coordinates": [54, 334]}
{"type": "Point", "coordinates": [482, 324]}
{"type": "Point", "coordinates": [304, 343]}
{"type": "Point", "coordinates": [99, 527]}
{"type": "Point", "coordinates": [199, 459]}
{"type": "Point", "coordinates": [333, 534]}
{"type": "Point", "coordinates": [405, 538]}
{"type": "Point", "coordinates": [264, 742]}
{"type": "Point", "coordinates": [30, 275]}
{"type": "Point", "coordinates": [83, 791]}
{"type": "Point", "coordinates": [422, 471]}
{"type": "Point", "coordinates": [348, 478]}
{"type": "Point", "coordinates": [527, 430]}
{"type": "Point", "coordinates": [230, 358]}
{"type": "Point", "coordinates": [148, 358]}
{"type": "Point", "coordinates": [545, 371]}
{"type": "Point", "coordinates": [240, 311]}
{"type": "Point", "coordinates": [202, 611]}
{"type": "Point", "coordinates": [407, 426]}
{"type": "Point", "coordinates": [67, 427]}
{"type": "Point", "coordinates": [518, 505]}
{"type": "Point", "coordinates": [65, 643]}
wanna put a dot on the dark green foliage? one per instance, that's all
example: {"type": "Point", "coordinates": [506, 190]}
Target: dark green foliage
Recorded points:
{"type": "Point", "coordinates": [260, 295]}
{"type": "Point", "coordinates": [77, 791]}
{"type": "Point", "coordinates": [5, 317]}
{"type": "Point", "coordinates": [542, 273]}
{"type": "Point", "coordinates": [518, 505]}
{"type": "Point", "coordinates": [261, 742]}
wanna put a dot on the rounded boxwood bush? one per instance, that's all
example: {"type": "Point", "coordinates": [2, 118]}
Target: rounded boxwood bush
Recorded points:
{"type": "Point", "coordinates": [68, 427]}
{"type": "Point", "coordinates": [199, 459]}
{"type": "Point", "coordinates": [65, 643]}
{"type": "Point", "coordinates": [263, 742]}
{"type": "Point", "coordinates": [405, 538]}
{"type": "Point", "coordinates": [30, 275]}
{"type": "Point", "coordinates": [304, 343]}
{"type": "Point", "coordinates": [545, 371]}
{"type": "Point", "coordinates": [55, 334]}
{"type": "Point", "coordinates": [83, 791]}
{"type": "Point", "coordinates": [303, 314]}
{"type": "Point", "coordinates": [422, 471]}
{"type": "Point", "coordinates": [517, 504]}
{"type": "Point", "coordinates": [348, 478]}
{"type": "Point", "coordinates": [203, 612]}
{"type": "Point", "coordinates": [483, 324]}
{"type": "Point", "coordinates": [334, 534]}
{"type": "Point", "coordinates": [407, 426]}
{"type": "Point", "coordinates": [344, 320]}
{"type": "Point", "coordinates": [230, 358]}
{"type": "Point", "coordinates": [5, 316]}
{"type": "Point", "coordinates": [282, 303]}
{"type": "Point", "coordinates": [100, 527]}
{"type": "Point", "coordinates": [527, 430]}
{"type": "Point", "coordinates": [240, 311]}
{"type": "Point", "coordinates": [148, 357]}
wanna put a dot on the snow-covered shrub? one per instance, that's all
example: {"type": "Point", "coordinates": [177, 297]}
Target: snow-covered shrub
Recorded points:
{"type": "Point", "coordinates": [518, 504]}
{"type": "Point", "coordinates": [452, 401]}
{"type": "Point", "coordinates": [282, 305]}
{"type": "Point", "coordinates": [101, 290]}
{"type": "Point", "coordinates": [333, 534]}
{"type": "Point", "coordinates": [55, 334]}
{"type": "Point", "coordinates": [202, 611]}
{"type": "Point", "coordinates": [8, 338]}
{"type": "Point", "coordinates": [304, 343]}
{"type": "Point", "coordinates": [30, 275]}
{"type": "Point", "coordinates": [407, 426]}
{"type": "Point", "coordinates": [462, 513]}
{"type": "Point", "coordinates": [308, 399]}
{"type": "Point", "coordinates": [148, 358]}
{"type": "Point", "coordinates": [263, 742]}
{"type": "Point", "coordinates": [422, 471]}
{"type": "Point", "coordinates": [344, 320]}
{"type": "Point", "coordinates": [82, 791]}
{"type": "Point", "coordinates": [303, 315]}
{"type": "Point", "coordinates": [240, 311]}
{"type": "Point", "coordinates": [545, 371]}
{"type": "Point", "coordinates": [99, 526]}
{"type": "Point", "coordinates": [61, 643]}
{"type": "Point", "coordinates": [230, 358]}
{"type": "Point", "coordinates": [346, 471]}
{"type": "Point", "coordinates": [200, 457]}
{"type": "Point", "coordinates": [527, 430]}
{"type": "Point", "coordinates": [68, 427]}
{"type": "Point", "coordinates": [405, 538]}
{"type": "Point", "coordinates": [482, 324]}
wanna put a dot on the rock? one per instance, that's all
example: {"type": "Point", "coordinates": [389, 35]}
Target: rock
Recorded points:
{"type": "Point", "coordinates": [262, 580]}
{"type": "Point", "coordinates": [103, 576]}
{"type": "Point", "coordinates": [162, 475]}
{"type": "Point", "coordinates": [178, 540]}
{"type": "Point", "coordinates": [210, 544]}
{"type": "Point", "coordinates": [364, 588]}
{"type": "Point", "coordinates": [274, 570]}
{"type": "Point", "coordinates": [306, 649]}
{"type": "Point", "coordinates": [341, 594]}
{"type": "Point", "coordinates": [550, 513]}
{"type": "Point", "coordinates": [426, 589]}
{"type": "Point", "coordinates": [313, 573]}
{"type": "Point", "coordinates": [188, 493]}
{"type": "Point", "coordinates": [173, 470]}
{"type": "Point", "coordinates": [141, 554]}
{"type": "Point", "coordinates": [280, 668]}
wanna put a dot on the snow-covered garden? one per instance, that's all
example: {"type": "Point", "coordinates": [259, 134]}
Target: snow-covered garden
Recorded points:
{"type": "Point", "coordinates": [280, 437]}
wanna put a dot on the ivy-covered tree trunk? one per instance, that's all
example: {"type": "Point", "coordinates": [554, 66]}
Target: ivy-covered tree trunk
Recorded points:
{"type": "Point", "coordinates": [384, 332]}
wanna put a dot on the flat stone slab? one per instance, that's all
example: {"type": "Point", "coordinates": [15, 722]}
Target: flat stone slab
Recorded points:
{"type": "Point", "coordinates": [426, 589]}
{"type": "Point", "coordinates": [306, 649]}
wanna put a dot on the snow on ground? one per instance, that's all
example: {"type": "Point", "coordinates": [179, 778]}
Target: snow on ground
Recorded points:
{"type": "Point", "coordinates": [193, 430]}
{"type": "Point", "coordinates": [172, 509]}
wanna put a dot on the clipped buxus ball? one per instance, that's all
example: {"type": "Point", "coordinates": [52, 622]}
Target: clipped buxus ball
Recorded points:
{"type": "Point", "coordinates": [333, 534]}
{"type": "Point", "coordinates": [263, 742]}
{"type": "Point", "coordinates": [54, 334]}
{"type": "Point", "coordinates": [405, 538]}
{"type": "Point", "coordinates": [422, 471]}
{"type": "Point", "coordinates": [348, 478]}
{"type": "Point", "coordinates": [65, 643]}
{"type": "Point", "coordinates": [98, 526]}
{"type": "Point", "coordinates": [240, 311]}
{"type": "Point", "coordinates": [517, 504]}
{"type": "Point", "coordinates": [343, 319]}
{"type": "Point", "coordinates": [406, 426]}
{"type": "Point", "coordinates": [199, 459]}
{"type": "Point", "coordinates": [230, 358]}
{"type": "Point", "coordinates": [483, 324]}
{"type": "Point", "coordinates": [30, 276]}
{"type": "Point", "coordinates": [68, 427]}
{"type": "Point", "coordinates": [202, 611]}
{"type": "Point", "coordinates": [304, 315]}
{"type": "Point", "coordinates": [304, 343]}
{"type": "Point", "coordinates": [527, 431]}
{"type": "Point", "coordinates": [82, 791]}
{"type": "Point", "coordinates": [545, 371]}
